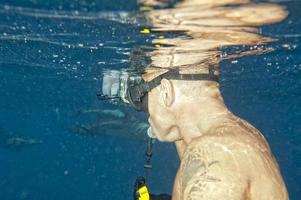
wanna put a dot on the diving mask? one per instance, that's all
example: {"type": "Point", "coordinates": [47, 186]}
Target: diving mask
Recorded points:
{"type": "Point", "coordinates": [132, 89]}
{"type": "Point", "coordinates": [125, 87]}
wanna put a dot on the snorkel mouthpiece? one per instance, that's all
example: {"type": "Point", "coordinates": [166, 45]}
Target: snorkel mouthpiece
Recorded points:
{"type": "Point", "coordinates": [150, 133]}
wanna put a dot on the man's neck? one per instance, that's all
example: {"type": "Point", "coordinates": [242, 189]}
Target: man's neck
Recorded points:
{"type": "Point", "coordinates": [203, 115]}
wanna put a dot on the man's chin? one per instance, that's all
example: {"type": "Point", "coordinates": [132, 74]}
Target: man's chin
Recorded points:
{"type": "Point", "coordinates": [166, 138]}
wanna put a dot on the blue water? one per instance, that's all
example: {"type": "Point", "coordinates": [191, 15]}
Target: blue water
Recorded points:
{"type": "Point", "coordinates": [51, 56]}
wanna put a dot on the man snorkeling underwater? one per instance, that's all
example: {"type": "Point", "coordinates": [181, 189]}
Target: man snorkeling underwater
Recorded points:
{"type": "Point", "coordinates": [222, 156]}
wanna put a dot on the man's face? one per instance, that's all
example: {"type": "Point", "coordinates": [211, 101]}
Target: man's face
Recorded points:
{"type": "Point", "coordinates": [161, 117]}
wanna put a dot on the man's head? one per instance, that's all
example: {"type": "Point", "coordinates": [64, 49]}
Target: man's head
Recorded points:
{"type": "Point", "coordinates": [172, 102]}
{"type": "Point", "coordinates": [170, 96]}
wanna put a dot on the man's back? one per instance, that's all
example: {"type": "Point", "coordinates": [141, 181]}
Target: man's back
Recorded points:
{"type": "Point", "coordinates": [233, 161]}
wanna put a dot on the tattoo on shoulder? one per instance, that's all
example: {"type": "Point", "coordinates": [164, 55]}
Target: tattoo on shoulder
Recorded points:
{"type": "Point", "coordinates": [195, 174]}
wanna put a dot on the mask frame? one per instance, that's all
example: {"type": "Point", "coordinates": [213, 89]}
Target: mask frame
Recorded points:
{"type": "Point", "coordinates": [137, 92]}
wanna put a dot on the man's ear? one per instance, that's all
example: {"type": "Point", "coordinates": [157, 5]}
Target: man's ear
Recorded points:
{"type": "Point", "coordinates": [167, 92]}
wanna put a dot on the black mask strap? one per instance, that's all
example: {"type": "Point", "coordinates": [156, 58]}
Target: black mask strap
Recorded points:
{"type": "Point", "coordinates": [173, 74]}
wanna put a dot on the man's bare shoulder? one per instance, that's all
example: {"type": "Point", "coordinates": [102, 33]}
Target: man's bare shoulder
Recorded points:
{"type": "Point", "coordinates": [210, 168]}
{"type": "Point", "coordinates": [237, 132]}
{"type": "Point", "coordinates": [226, 163]}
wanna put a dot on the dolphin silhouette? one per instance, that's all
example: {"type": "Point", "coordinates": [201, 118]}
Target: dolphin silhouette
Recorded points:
{"type": "Point", "coordinates": [112, 122]}
{"type": "Point", "coordinates": [11, 141]}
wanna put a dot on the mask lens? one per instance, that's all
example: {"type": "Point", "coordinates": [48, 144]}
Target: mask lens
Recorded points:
{"type": "Point", "coordinates": [110, 84]}
{"type": "Point", "coordinates": [118, 85]}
